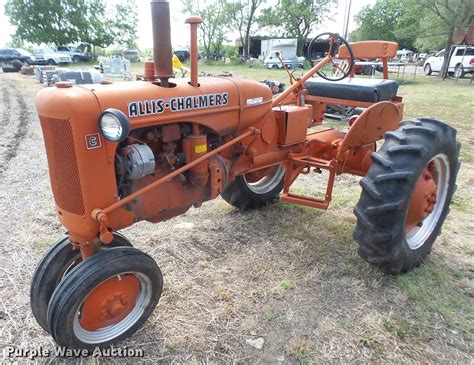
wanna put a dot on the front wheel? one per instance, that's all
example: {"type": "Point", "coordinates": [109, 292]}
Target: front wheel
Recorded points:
{"type": "Point", "coordinates": [55, 264]}
{"type": "Point", "coordinates": [255, 189]}
{"type": "Point", "coordinates": [105, 299]}
{"type": "Point", "coordinates": [406, 195]}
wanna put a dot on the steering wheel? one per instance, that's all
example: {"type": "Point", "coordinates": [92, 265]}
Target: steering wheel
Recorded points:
{"type": "Point", "coordinates": [334, 41]}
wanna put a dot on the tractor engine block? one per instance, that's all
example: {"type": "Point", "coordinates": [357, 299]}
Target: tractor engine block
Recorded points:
{"type": "Point", "coordinates": [152, 153]}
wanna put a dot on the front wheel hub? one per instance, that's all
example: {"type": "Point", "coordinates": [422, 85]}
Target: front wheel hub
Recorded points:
{"type": "Point", "coordinates": [110, 302]}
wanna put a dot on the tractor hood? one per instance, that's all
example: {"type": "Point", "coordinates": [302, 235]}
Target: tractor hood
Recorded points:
{"type": "Point", "coordinates": [221, 103]}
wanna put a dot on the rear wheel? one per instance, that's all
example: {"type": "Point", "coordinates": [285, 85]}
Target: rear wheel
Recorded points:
{"type": "Point", "coordinates": [105, 299]}
{"type": "Point", "coordinates": [406, 194]}
{"type": "Point", "coordinates": [55, 264]}
{"type": "Point", "coordinates": [253, 190]}
{"type": "Point", "coordinates": [427, 69]}
{"type": "Point", "coordinates": [459, 71]}
{"type": "Point", "coordinates": [348, 111]}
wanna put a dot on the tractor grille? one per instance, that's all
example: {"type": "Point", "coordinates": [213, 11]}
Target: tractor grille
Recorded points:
{"type": "Point", "coordinates": [62, 163]}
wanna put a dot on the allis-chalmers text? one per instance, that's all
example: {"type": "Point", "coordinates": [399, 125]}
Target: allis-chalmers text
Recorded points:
{"type": "Point", "coordinates": [177, 104]}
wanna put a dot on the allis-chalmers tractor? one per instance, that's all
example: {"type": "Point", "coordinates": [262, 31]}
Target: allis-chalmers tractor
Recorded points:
{"type": "Point", "coordinates": [120, 153]}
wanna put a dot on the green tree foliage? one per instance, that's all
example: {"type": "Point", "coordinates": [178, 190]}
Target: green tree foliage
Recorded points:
{"type": "Point", "coordinates": [214, 23]}
{"type": "Point", "coordinates": [442, 17]}
{"type": "Point", "coordinates": [68, 21]}
{"type": "Point", "coordinates": [425, 25]}
{"type": "Point", "coordinates": [125, 22]}
{"type": "Point", "coordinates": [296, 18]}
{"type": "Point", "coordinates": [389, 20]}
{"type": "Point", "coordinates": [241, 15]}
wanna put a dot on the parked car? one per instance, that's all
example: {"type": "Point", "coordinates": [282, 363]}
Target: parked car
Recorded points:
{"type": "Point", "coordinates": [182, 54]}
{"type": "Point", "coordinates": [46, 56]}
{"type": "Point", "coordinates": [81, 53]}
{"type": "Point", "coordinates": [272, 61]}
{"type": "Point", "coordinates": [131, 54]}
{"type": "Point", "coordinates": [9, 55]}
{"type": "Point", "coordinates": [460, 63]}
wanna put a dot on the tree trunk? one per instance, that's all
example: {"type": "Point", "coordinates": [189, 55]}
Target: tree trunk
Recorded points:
{"type": "Point", "coordinates": [444, 69]}
{"type": "Point", "coordinates": [244, 46]}
{"type": "Point", "coordinates": [300, 46]}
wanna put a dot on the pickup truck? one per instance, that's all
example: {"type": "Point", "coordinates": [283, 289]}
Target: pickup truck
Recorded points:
{"type": "Point", "coordinates": [46, 56]}
{"type": "Point", "coordinates": [272, 61]}
{"type": "Point", "coordinates": [77, 54]}
{"type": "Point", "coordinates": [460, 63]}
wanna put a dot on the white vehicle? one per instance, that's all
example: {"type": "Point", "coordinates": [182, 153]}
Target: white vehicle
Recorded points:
{"type": "Point", "coordinates": [272, 61]}
{"type": "Point", "coordinates": [460, 63]}
{"type": "Point", "coordinates": [47, 56]}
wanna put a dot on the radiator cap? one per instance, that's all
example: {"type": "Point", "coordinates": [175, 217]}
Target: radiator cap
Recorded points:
{"type": "Point", "coordinates": [63, 84]}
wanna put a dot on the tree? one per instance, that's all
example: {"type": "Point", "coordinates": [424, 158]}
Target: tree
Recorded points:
{"type": "Point", "coordinates": [424, 24]}
{"type": "Point", "coordinates": [389, 20]}
{"type": "Point", "coordinates": [47, 21]}
{"type": "Point", "coordinates": [125, 23]}
{"type": "Point", "coordinates": [67, 21]}
{"type": "Point", "coordinates": [242, 15]}
{"type": "Point", "coordinates": [214, 23]}
{"type": "Point", "coordinates": [296, 18]}
{"type": "Point", "coordinates": [442, 17]}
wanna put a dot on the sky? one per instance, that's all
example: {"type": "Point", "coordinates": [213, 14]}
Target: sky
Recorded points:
{"type": "Point", "coordinates": [179, 31]}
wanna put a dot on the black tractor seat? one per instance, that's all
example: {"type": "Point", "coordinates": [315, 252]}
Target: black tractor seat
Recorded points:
{"type": "Point", "coordinates": [357, 89]}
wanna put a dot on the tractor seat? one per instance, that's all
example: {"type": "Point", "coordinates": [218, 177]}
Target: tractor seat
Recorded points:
{"type": "Point", "coordinates": [357, 89]}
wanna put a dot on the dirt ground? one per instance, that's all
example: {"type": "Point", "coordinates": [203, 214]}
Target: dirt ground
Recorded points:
{"type": "Point", "coordinates": [287, 274]}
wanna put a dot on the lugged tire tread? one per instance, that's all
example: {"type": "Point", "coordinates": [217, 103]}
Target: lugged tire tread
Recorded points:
{"type": "Point", "coordinates": [386, 191]}
{"type": "Point", "coordinates": [406, 148]}
{"type": "Point", "coordinates": [397, 175]}
{"type": "Point", "coordinates": [376, 157]}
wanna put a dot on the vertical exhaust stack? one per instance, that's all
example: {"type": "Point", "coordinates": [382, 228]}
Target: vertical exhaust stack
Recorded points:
{"type": "Point", "coordinates": [162, 52]}
{"type": "Point", "coordinates": [194, 22]}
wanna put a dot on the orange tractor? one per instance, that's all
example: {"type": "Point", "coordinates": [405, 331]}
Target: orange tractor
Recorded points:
{"type": "Point", "coordinates": [119, 153]}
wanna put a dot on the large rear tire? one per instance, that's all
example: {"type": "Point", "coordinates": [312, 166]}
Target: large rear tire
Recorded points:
{"type": "Point", "coordinates": [244, 193]}
{"type": "Point", "coordinates": [392, 231]}
{"type": "Point", "coordinates": [55, 264]}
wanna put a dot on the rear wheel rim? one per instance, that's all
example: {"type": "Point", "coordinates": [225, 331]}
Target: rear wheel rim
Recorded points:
{"type": "Point", "coordinates": [101, 335]}
{"type": "Point", "coordinates": [267, 183]}
{"type": "Point", "coordinates": [416, 236]}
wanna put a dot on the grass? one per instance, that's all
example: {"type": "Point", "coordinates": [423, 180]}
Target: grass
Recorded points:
{"type": "Point", "coordinates": [400, 327]}
{"type": "Point", "coordinates": [286, 284]}
{"type": "Point", "coordinates": [289, 274]}
{"type": "Point", "coordinates": [435, 290]}
{"type": "Point", "coordinates": [271, 316]}
{"type": "Point", "coordinates": [300, 348]}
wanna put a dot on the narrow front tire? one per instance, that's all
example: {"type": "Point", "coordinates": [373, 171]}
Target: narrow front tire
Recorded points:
{"type": "Point", "coordinates": [105, 299]}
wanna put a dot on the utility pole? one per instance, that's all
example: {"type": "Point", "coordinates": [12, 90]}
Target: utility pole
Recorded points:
{"type": "Point", "coordinates": [347, 16]}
